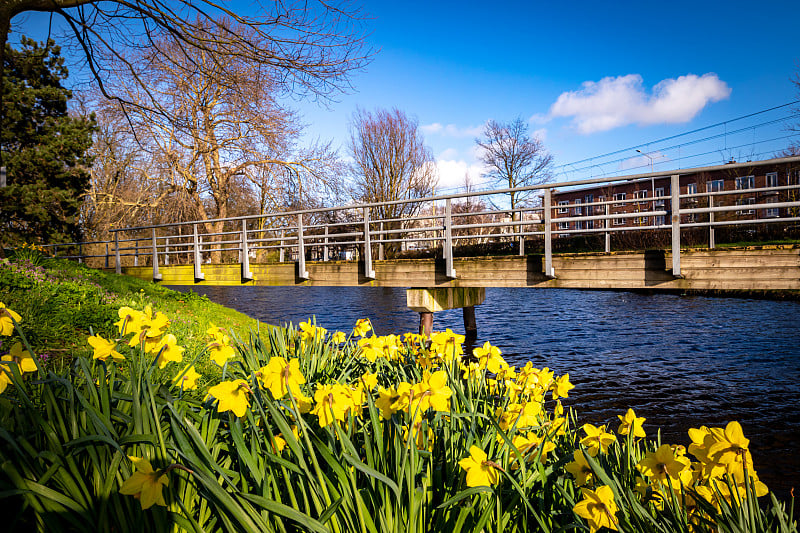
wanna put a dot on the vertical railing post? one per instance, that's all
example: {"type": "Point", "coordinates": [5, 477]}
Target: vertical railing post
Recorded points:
{"type": "Point", "coordinates": [521, 237]}
{"type": "Point", "coordinates": [106, 255]}
{"type": "Point", "coordinates": [301, 249]}
{"type": "Point", "coordinates": [676, 225]}
{"type": "Point", "coordinates": [607, 225]}
{"type": "Point", "coordinates": [548, 235]}
{"type": "Point", "coordinates": [368, 272]}
{"type": "Point", "coordinates": [136, 253]}
{"type": "Point", "coordinates": [117, 259]}
{"type": "Point", "coordinates": [325, 247]}
{"type": "Point", "coordinates": [450, 271]}
{"type": "Point", "coordinates": [380, 244]}
{"type": "Point", "coordinates": [246, 274]}
{"type": "Point", "coordinates": [198, 275]}
{"type": "Point", "coordinates": [281, 252]}
{"type": "Point", "coordinates": [156, 274]}
{"type": "Point", "coordinates": [80, 252]}
{"type": "Point", "coordinates": [712, 241]}
{"type": "Point", "coordinates": [166, 252]}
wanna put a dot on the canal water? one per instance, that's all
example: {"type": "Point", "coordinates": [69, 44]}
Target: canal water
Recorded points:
{"type": "Point", "coordinates": [679, 361]}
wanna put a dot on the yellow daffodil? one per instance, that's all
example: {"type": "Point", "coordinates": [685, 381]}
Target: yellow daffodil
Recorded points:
{"type": "Point", "coordinates": [103, 349]}
{"type": "Point", "coordinates": [310, 332]}
{"type": "Point", "coordinates": [729, 444]}
{"type": "Point", "coordinates": [392, 400]}
{"type": "Point", "coordinates": [232, 396]}
{"type": "Point", "coordinates": [6, 324]}
{"type": "Point", "coordinates": [279, 376]}
{"type": "Point", "coordinates": [339, 337]}
{"type": "Point", "coordinates": [363, 326]}
{"type": "Point", "coordinates": [371, 347]}
{"type": "Point", "coordinates": [331, 403]}
{"type": "Point", "coordinates": [489, 358]}
{"type": "Point", "coordinates": [630, 423]}
{"type": "Point", "coordinates": [597, 439]}
{"type": "Point", "coordinates": [23, 360]}
{"type": "Point", "coordinates": [129, 321]}
{"type": "Point", "coordinates": [168, 350]}
{"type": "Point", "coordinates": [432, 392]}
{"type": "Point", "coordinates": [663, 463]}
{"type": "Point", "coordinates": [561, 387]}
{"type": "Point", "coordinates": [145, 484]}
{"type": "Point", "coordinates": [215, 332]}
{"type": "Point", "coordinates": [579, 468]}
{"type": "Point", "coordinates": [370, 381]}
{"type": "Point", "coordinates": [220, 350]}
{"type": "Point", "coordinates": [520, 414]}
{"type": "Point", "coordinates": [447, 344]}
{"type": "Point", "coordinates": [187, 378]}
{"type": "Point", "coordinates": [480, 471]}
{"type": "Point", "coordinates": [598, 508]}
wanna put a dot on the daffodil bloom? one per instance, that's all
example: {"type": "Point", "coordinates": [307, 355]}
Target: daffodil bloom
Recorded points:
{"type": "Point", "coordinates": [129, 321]}
{"type": "Point", "coordinates": [520, 414]}
{"type": "Point", "coordinates": [630, 423]}
{"type": "Point", "coordinates": [371, 347]}
{"type": "Point", "coordinates": [6, 322]}
{"type": "Point", "coordinates": [579, 468]}
{"type": "Point", "coordinates": [215, 332]}
{"type": "Point", "coordinates": [729, 444]}
{"type": "Point", "coordinates": [187, 378]}
{"type": "Point", "coordinates": [279, 376]}
{"type": "Point", "coordinates": [370, 381]}
{"type": "Point", "coordinates": [663, 464]}
{"type": "Point", "coordinates": [232, 396]}
{"type": "Point", "coordinates": [331, 403]}
{"type": "Point", "coordinates": [311, 332]}
{"type": "Point", "coordinates": [103, 349]}
{"type": "Point", "coordinates": [363, 326]}
{"type": "Point", "coordinates": [394, 399]}
{"type": "Point", "coordinates": [423, 435]}
{"type": "Point", "coordinates": [480, 471]}
{"type": "Point", "coordinates": [528, 445]}
{"type": "Point", "coordinates": [447, 344]}
{"type": "Point", "coordinates": [597, 439]}
{"type": "Point", "coordinates": [23, 360]}
{"type": "Point", "coordinates": [145, 484]}
{"type": "Point", "coordinates": [220, 350]}
{"type": "Point", "coordinates": [168, 350]}
{"type": "Point", "coordinates": [598, 508]}
{"type": "Point", "coordinates": [489, 358]}
{"type": "Point", "coordinates": [561, 387]}
{"type": "Point", "coordinates": [432, 392]}
{"type": "Point", "coordinates": [339, 337]}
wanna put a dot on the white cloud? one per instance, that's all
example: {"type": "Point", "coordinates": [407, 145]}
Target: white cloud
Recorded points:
{"type": "Point", "coordinates": [452, 173]}
{"type": "Point", "coordinates": [451, 130]}
{"type": "Point", "coordinates": [613, 102]}
{"type": "Point", "coordinates": [642, 163]}
{"type": "Point", "coordinates": [449, 153]}
{"type": "Point", "coordinates": [540, 134]}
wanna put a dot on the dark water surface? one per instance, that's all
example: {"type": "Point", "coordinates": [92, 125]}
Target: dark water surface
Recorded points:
{"type": "Point", "coordinates": [679, 361]}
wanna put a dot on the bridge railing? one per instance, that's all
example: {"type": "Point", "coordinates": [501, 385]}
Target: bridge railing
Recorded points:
{"type": "Point", "coordinates": [440, 225]}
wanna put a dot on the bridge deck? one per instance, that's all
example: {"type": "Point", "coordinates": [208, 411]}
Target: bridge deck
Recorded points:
{"type": "Point", "coordinates": [743, 269]}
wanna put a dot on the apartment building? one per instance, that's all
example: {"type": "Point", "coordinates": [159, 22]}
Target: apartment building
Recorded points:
{"type": "Point", "coordinates": [646, 202]}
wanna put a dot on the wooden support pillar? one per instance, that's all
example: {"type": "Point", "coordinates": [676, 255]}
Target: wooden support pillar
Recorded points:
{"type": "Point", "coordinates": [428, 301]}
{"type": "Point", "coordinates": [426, 323]}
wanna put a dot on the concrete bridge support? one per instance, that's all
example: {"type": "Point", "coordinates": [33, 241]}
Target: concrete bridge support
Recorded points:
{"type": "Point", "coordinates": [428, 301]}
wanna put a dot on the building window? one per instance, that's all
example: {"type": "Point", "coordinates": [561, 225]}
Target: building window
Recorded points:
{"type": "Point", "coordinates": [659, 220]}
{"type": "Point", "coordinates": [745, 182]}
{"type": "Point", "coordinates": [640, 194]}
{"type": "Point", "coordinates": [577, 209]}
{"type": "Point", "coordinates": [590, 210]}
{"type": "Point", "coordinates": [590, 224]}
{"type": "Point", "coordinates": [563, 210]}
{"type": "Point", "coordinates": [715, 186]}
{"type": "Point", "coordinates": [640, 221]}
{"type": "Point", "coordinates": [772, 179]}
{"type": "Point", "coordinates": [619, 221]}
{"type": "Point", "coordinates": [563, 225]}
{"type": "Point", "coordinates": [746, 201]}
{"type": "Point", "coordinates": [619, 196]}
{"type": "Point", "coordinates": [772, 212]}
{"type": "Point", "coordinates": [659, 192]}
{"type": "Point", "coordinates": [691, 188]}
{"type": "Point", "coordinates": [579, 224]}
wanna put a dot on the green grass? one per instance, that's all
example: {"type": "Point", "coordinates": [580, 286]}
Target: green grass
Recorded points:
{"type": "Point", "coordinates": [63, 302]}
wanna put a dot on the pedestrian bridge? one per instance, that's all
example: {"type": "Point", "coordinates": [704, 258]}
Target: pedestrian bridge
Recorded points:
{"type": "Point", "coordinates": [679, 222]}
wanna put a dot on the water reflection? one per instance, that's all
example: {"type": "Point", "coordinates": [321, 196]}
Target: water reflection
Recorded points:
{"type": "Point", "coordinates": [679, 361]}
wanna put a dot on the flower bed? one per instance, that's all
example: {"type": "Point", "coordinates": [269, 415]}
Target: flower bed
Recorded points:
{"type": "Point", "coordinates": [302, 429]}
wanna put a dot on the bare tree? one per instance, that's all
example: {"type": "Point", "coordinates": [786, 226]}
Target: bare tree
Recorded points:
{"type": "Point", "coordinates": [309, 47]}
{"type": "Point", "coordinates": [390, 161]}
{"type": "Point", "coordinates": [513, 158]}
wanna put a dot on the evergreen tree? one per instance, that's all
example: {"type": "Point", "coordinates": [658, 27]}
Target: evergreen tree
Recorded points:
{"type": "Point", "coordinates": [44, 149]}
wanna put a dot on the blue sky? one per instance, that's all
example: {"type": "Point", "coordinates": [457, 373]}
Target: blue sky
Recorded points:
{"type": "Point", "coordinates": [590, 78]}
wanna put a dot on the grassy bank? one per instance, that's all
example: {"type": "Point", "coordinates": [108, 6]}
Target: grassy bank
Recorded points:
{"type": "Point", "coordinates": [65, 302]}
{"type": "Point", "coordinates": [309, 430]}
